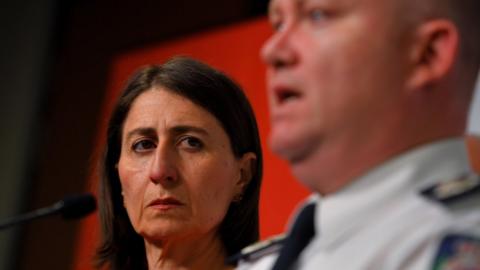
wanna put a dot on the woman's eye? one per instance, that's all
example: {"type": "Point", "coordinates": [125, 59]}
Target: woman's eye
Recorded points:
{"type": "Point", "coordinates": [143, 145]}
{"type": "Point", "coordinates": [191, 143]}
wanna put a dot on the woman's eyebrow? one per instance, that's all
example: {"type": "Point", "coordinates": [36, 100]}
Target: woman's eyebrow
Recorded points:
{"type": "Point", "coordinates": [149, 131]}
{"type": "Point", "coordinates": [188, 128]}
{"type": "Point", "coordinates": [145, 131]}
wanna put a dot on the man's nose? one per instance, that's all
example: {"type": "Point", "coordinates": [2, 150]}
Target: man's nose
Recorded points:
{"type": "Point", "coordinates": [163, 169]}
{"type": "Point", "coordinates": [277, 52]}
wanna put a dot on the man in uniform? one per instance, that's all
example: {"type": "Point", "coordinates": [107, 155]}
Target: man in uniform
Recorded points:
{"type": "Point", "coordinates": [368, 102]}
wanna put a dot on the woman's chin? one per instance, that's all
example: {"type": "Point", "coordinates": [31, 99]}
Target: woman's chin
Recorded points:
{"type": "Point", "coordinates": [161, 234]}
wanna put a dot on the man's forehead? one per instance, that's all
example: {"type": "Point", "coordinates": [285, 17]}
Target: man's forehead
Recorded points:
{"type": "Point", "coordinates": [276, 5]}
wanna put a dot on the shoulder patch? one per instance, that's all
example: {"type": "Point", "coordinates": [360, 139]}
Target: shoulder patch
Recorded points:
{"type": "Point", "coordinates": [257, 250]}
{"type": "Point", "coordinates": [458, 252]}
{"type": "Point", "coordinates": [450, 191]}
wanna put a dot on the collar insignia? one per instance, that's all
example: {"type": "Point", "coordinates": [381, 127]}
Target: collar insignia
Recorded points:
{"type": "Point", "coordinates": [458, 252]}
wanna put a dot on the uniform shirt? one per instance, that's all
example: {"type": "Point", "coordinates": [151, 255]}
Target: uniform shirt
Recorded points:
{"type": "Point", "coordinates": [383, 221]}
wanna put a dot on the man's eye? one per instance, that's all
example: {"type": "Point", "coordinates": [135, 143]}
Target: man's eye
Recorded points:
{"type": "Point", "coordinates": [143, 145]}
{"type": "Point", "coordinates": [316, 14]}
{"type": "Point", "coordinates": [190, 142]}
{"type": "Point", "coordinates": [277, 25]}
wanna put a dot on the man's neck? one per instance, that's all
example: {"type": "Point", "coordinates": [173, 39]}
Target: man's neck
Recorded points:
{"type": "Point", "coordinates": [338, 165]}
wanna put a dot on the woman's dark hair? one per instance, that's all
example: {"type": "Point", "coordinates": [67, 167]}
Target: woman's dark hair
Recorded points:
{"type": "Point", "coordinates": [121, 247]}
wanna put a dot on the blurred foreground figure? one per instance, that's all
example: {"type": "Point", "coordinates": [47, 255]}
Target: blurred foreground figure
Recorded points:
{"type": "Point", "coordinates": [369, 101]}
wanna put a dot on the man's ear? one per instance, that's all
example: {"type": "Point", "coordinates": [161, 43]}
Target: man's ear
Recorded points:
{"type": "Point", "coordinates": [435, 47]}
{"type": "Point", "coordinates": [247, 170]}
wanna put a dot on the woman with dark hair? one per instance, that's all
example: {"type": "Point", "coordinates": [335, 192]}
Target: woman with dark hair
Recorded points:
{"type": "Point", "coordinates": [181, 171]}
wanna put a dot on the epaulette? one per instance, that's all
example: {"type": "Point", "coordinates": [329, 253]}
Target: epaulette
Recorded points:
{"type": "Point", "coordinates": [257, 250]}
{"type": "Point", "coordinates": [457, 251]}
{"type": "Point", "coordinates": [453, 190]}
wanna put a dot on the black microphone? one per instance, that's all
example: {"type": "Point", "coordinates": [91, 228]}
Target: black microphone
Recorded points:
{"type": "Point", "coordinates": [70, 207]}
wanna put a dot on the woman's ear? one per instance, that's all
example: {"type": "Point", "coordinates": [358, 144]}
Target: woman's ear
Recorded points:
{"type": "Point", "coordinates": [247, 170]}
{"type": "Point", "coordinates": [435, 46]}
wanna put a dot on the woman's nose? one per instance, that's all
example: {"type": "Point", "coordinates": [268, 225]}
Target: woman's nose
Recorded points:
{"type": "Point", "coordinates": [162, 167]}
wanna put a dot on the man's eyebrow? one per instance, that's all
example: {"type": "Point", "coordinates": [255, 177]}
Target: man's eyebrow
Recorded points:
{"type": "Point", "coordinates": [274, 10]}
{"type": "Point", "coordinates": [301, 4]}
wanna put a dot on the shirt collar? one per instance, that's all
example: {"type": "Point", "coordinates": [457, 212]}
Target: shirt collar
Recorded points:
{"type": "Point", "coordinates": [412, 170]}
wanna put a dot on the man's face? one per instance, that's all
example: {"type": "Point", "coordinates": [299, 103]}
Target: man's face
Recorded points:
{"type": "Point", "coordinates": [334, 69]}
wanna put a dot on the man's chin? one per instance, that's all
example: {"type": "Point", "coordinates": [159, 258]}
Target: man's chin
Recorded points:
{"type": "Point", "coordinates": [288, 149]}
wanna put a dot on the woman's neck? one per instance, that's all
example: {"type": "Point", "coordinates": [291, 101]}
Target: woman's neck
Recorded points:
{"type": "Point", "coordinates": [199, 253]}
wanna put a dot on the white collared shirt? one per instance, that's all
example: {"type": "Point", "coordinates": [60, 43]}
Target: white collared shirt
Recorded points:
{"type": "Point", "coordinates": [381, 221]}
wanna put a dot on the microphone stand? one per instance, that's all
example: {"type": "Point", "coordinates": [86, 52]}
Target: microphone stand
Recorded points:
{"type": "Point", "coordinates": [69, 207]}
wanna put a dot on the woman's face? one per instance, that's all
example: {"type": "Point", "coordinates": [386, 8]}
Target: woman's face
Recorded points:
{"type": "Point", "coordinates": [177, 169]}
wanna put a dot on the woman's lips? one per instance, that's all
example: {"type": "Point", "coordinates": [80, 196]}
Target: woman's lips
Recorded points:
{"type": "Point", "coordinates": [165, 203]}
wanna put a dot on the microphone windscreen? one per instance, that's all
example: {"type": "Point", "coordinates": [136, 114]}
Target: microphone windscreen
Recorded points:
{"type": "Point", "coordinates": [77, 206]}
